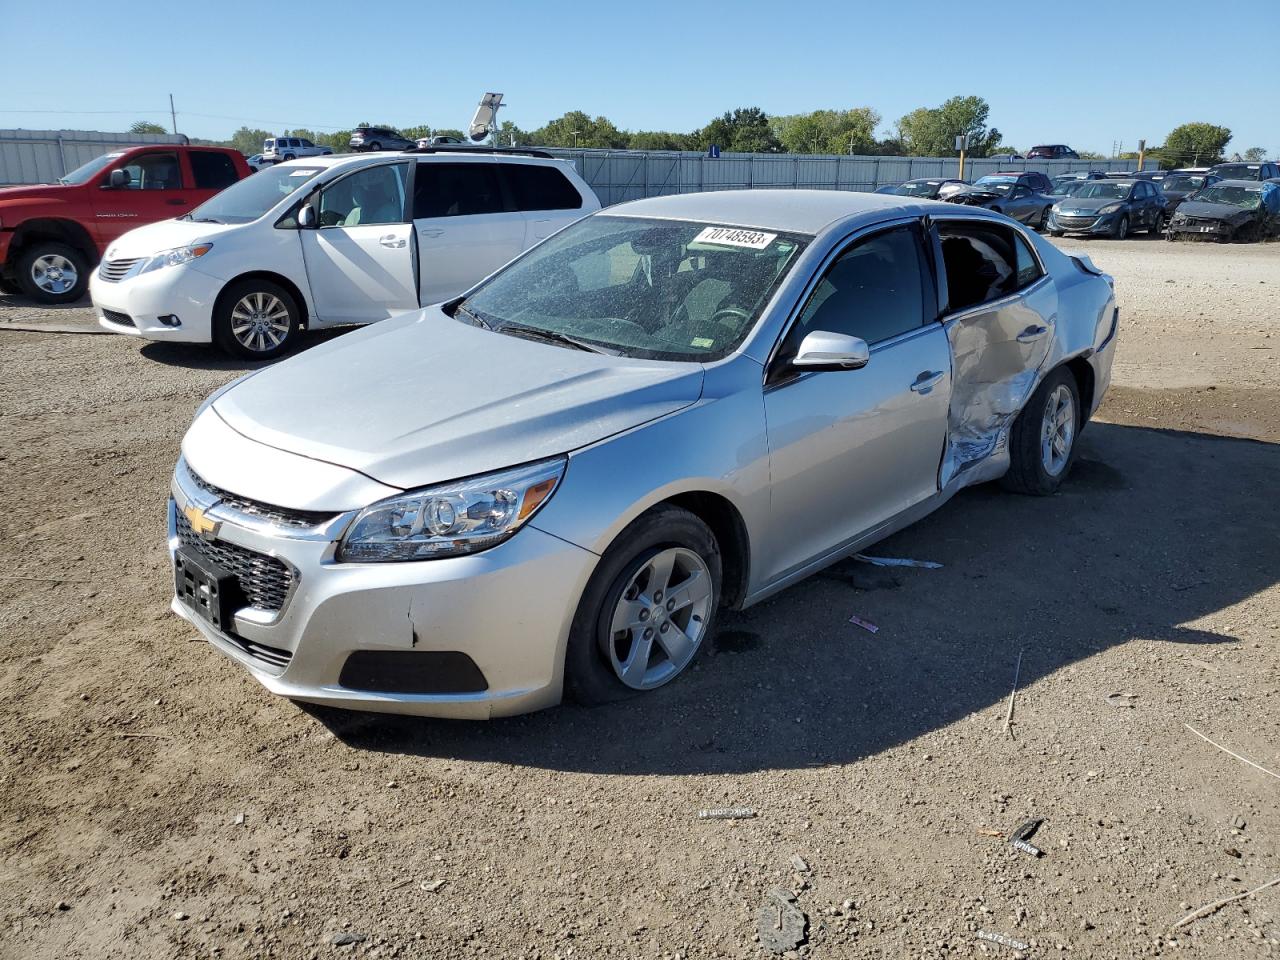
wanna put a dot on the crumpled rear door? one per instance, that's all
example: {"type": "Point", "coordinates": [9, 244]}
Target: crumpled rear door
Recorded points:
{"type": "Point", "coordinates": [997, 350]}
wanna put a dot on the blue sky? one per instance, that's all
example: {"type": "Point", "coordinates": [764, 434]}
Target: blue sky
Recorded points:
{"type": "Point", "coordinates": [1082, 73]}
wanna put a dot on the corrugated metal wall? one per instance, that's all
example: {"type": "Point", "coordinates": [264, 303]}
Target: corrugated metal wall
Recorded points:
{"type": "Point", "coordinates": [42, 156]}
{"type": "Point", "coordinates": [618, 175]}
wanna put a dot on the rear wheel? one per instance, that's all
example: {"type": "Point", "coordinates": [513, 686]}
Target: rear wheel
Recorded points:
{"type": "Point", "coordinates": [290, 156]}
{"type": "Point", "coordinates": [1158, 227]}
{"type": "Point", "coordinates": [1043, 225]}
{"type": "Point", "coordinates": [648, 610]}
{"type": "Point", "coordinates": [53, 273]}
{"type": "Point", "coordinates": [256, 319]}
{"type": "Point", "coordinates": [1042, 443]}
{"type": "Point", "coordinates": [375, 145]}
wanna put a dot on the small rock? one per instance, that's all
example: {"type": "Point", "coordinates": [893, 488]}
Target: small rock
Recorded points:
{"type": "Point", "coordinates": [1238, 823]}
{"type": "Point", "coordinates": [432, 886]}
{"type": "Point", "coordinates": [62, 905]}
{"type": "Point", "coordinates": [347, 938]}
{"type": "Point", "coordinates": [391, 784]}
{"type": "Point", "coordinates": [1232, 852]}
{"type": "Point", "coordinates": [239, 820]}
{"type": "Point", "coordinates": [179, 915]}
{"type": "Point", "coordinates": [798, 864]}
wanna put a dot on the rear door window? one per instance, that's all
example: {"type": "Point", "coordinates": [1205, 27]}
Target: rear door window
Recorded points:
{"type": "Point", "coordinates": [456, 190]}
{"type": "Point", "coordinates": [212, 171]}
{"type": "Point", "coordinates": [536, 187]}
{"type": "Point", "coordinates": [981, 261]}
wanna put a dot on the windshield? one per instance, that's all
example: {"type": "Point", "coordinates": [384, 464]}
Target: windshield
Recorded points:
{"type": "Point", "coordinates": [1000, 185]}
{"type": "Point", "coordinates": [1067, 188]}
{"type": "Point", "coordinates": [1182, 184]}
{"type": "Point", "coordinates": [250, 198]}
{"type": "Point", "coordinates": [1101, 190]}
{"type": "Point", "coordinates": [1247, 198]}
{"type": "Point", "coordinates": [656, 289]}
{"type": "Point", "coordinates": [91, 169]}
{"type": "Point", "coordinates": [919, 188]}
{"type": "Point", "coordinates": [1239, 171]}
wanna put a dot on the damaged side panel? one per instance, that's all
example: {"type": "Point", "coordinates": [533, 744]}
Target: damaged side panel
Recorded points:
{"type": "Point", "coordinates": [998, 351]}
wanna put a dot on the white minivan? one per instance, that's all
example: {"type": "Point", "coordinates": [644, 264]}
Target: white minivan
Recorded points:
{"type": "Point", "coordinates": [332, 240]}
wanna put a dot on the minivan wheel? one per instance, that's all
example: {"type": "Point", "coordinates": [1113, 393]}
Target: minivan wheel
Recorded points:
{"type": "Point", "coordinates": [255, 319]}
{"type": "Point", "coordinates": [1042, 443]}
{"type": "Point", "coordinates": [648, 610]}
{"type": "Point", "coordinates": [53, 273]}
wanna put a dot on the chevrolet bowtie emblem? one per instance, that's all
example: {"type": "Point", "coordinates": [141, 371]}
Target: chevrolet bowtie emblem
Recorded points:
{"type": "Point", "coordinates": [204, 526]}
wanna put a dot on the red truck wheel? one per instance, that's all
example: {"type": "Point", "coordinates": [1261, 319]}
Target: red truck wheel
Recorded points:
{"type": "Point", "coordinates": [53, 273]}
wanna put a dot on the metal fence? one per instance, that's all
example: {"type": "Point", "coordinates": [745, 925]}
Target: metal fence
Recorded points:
{"type": "Point", "coordinates": [618, 175]}
{"type": "Point", "coordinates": [42, 156]}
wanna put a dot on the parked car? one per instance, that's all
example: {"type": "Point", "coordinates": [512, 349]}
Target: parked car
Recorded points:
{"type": "Point", "coordinates": [927, 188]}
{"type": "Point", "coordinates": [1065, 189]}
{"type": "Point", "coordinates": [291, 148]}
{"type": "Point", "coordinates": [378, 138]}
{"type": "Point", "coordinates": [333, 240]}
{"type": "Point", "coordinates": [674, 406]}
{"type": "Point", "coordinates": [1021, 195]}
{"type": "Point", "coordinates": [1052, 151]}
{"type": "Point", "coordinates": [1006, 156]}
{"type": "Point", "coordinates": [1077, 176]}
{"type": "Point", "coordinates": [1110, 207]}
{"type": "Point", "coordinates": [441, 141]}
{"type": "Point", "coordinates": [1151, 175]}
{"type": "Point", "coordinates": [1243, 210]}
{"type": "Point", "coordinates": [1178, 187]}
{"type": "Point", "coordinates": [1246, 171]}
{"type": "Point", "coordinates": [52, 235]}
{"type": "Point", "coordinates": [256, 162]}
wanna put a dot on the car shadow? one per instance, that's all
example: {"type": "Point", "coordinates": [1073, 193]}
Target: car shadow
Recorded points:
{"type": "Point", "coordinates": [1155, 530]}
{"type": "Point", "coordinates": [14, 300]}
{"type": "Point", "coordinates": [198, 356]}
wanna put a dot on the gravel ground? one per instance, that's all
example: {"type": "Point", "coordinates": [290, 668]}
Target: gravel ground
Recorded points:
{"type": "Point", "coordinates": [158, 803]}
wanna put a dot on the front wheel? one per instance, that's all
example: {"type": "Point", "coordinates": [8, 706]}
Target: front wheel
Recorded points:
{"type": "Point", "coordinates": [256, 320]}
{"type": "Point", "coordinates": [647, 611]}
{"type": "Point", "coordinates": [1122, 228]}
{"type": "Point", "coordinates": [1042, 443]}
{"type": "Point", "coordinates": [53, 273]}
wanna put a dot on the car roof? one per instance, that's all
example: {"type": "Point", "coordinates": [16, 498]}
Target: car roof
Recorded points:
{"type": "Point", "coordinates": [1251, 184]}
{"type": "Point", "coordinates": [387, 156]}
{"type": "Point", "coordinates": [792, 211]}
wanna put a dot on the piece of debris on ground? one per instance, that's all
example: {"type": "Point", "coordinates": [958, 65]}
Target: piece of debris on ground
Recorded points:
{"type": "Point", "coordinates": [780, 923]}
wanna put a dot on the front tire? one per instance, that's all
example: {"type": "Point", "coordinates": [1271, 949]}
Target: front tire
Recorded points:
{"type": "Point", "coordinates": [255, 320]}
{"type": "Point", "coordinates": [53, 273]}
{"type": "Point", "coordinates": [1042, 443]}
{"type": "Point", "coordinates": [1122, 228]}
{"type": "Point", "coordinates": [649, 609]}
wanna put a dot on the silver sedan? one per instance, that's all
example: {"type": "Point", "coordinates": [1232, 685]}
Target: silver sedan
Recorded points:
{"type": "Point", "coordinates": [556, 482]}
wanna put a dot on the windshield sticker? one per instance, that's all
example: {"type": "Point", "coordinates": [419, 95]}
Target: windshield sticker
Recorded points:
{"type": "Point", "coordinates": [704, 342]}
{"type": "Point", "coordinates": [301, 173]}
{"type": "Point", "coordinates": [732, 237]}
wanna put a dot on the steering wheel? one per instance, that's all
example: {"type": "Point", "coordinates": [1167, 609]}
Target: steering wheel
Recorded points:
{"type": "Point", "coordinates": [734, 312]}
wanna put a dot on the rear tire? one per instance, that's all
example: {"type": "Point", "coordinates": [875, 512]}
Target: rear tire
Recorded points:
{"type": "Point", "coordinates": [607, 660]}
{"type": "Point", "coordinates": [375, 146]}
{"type": "Point", "coordinates": [1042, 443]}
{"type": "Point", "coordinates": [255, 320]}
{"type": "Point", "coordinates": [1158, 227]}
{"type": "Point", "coordinates": [53, 273]}
{"type": "Point", "coordinates": [1043, 226]}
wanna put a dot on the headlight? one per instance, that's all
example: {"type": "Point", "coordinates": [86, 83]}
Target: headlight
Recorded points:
{"type": "Point", "coordinates": [451, 519]}
{"type": "Point", "coordinates": [176, 256]}
{"type": "Point", "coordinates": [1110, 208]}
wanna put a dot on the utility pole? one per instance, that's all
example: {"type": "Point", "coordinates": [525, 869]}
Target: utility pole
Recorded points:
{"type": "Point", "coordinates": [173, 114]}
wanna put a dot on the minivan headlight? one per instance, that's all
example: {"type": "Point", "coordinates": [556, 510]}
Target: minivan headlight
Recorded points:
{"type": "Point", "coordinates": [176, 256]}
{"type": "Point", "coordinates": [451, 519]}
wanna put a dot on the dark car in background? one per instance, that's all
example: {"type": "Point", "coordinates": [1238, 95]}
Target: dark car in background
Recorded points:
{"type": "Point", "coordinates": [1077, 176]}
{"type": "Point", "coordinates": [927, 188]}
{"type": "Point", "coordinates": [1246, 171]}
{"type": "Point", "coordinates": [1052, 151]}
{"type": "Point", "coordinates": [1110, 208]}
{"type": "Point", "coordinates": [1065, 188]}
{"type": "Point", "coordinates": [1178, 187]}
{"type": "Point", "coordinates": [1023, 196]}
{"type": "Point", "coordinates": [378, 138]}
{"type": "Point", "coordinates": [1241, 210]}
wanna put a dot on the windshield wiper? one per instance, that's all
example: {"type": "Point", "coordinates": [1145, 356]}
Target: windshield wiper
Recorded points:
{"type": "Point", "coordinates": [475, 317]}
{"type": "Point", "coordinates": [203, 219]}
{"type": "Point", "coordinates": [553, 336]}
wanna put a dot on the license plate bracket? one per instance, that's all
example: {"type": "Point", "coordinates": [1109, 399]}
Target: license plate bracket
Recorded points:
{"type": "Point", "coordinates": [207, 589]}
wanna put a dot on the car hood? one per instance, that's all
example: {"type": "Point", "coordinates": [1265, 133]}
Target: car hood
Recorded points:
{"type": "Point", "coordinates": [164, 235]}
{"type": "Point", "coordinates": [39, 193]}
{"type": "Point", "coordinates": [423, 398]}
{"type": "Point", "coordinates": [1072, 205]}
{"type": "Point", "coordinates": [974, 196]}
{"type": "Point", "coordinates": [1213, 211]}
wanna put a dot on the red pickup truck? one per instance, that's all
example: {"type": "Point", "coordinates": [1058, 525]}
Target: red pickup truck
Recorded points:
{"type": "Point", "coordinates": [52, 235]}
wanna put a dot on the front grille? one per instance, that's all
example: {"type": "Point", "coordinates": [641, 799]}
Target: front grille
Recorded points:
{"type": "Point", "coordinates": [265, 581]}
{"type": "Point", "coordinates": [113, 270]}
{"type": "Point", "coordinates": [299, 519]}
{"type": "Point", "coordinates": [1075, 223]}
{"type": "Point", "coordinates": [115, 316]}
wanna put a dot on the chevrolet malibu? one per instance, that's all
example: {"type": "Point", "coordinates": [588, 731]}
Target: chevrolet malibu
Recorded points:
{"type": "Point", "coordinates": [554, 483]}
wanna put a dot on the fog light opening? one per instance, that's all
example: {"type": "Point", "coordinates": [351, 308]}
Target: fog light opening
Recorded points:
{"type": "Point", "coordinates": [170, 320]}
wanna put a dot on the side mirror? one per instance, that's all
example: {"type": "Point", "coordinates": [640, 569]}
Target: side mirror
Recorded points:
{"type": "Point", "coordinates": [119, 178]}
{"type": "Point", "coordinates": [821, 350]}
{"type": "Point", "coordinates": [306, 216]}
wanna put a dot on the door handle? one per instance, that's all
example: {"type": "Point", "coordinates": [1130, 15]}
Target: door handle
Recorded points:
{"type": "Point", "coordinates": [431, 233]}
{"type": "Point", "coordinates": [176, 202]}
{"type": "Point", "coordinates": [927, 380]}
{"type": "Point", "coordinates": [392, 241]}
{"type": "Point", "coordinates": [1033, 332]}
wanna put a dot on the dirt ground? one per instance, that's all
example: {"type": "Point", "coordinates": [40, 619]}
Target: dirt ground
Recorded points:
{"type": "Point", "coordinates": [158, 803]}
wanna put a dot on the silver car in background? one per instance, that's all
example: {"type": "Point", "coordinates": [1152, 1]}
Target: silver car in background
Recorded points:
{"type": "Point", "coordinates": [554, 483]}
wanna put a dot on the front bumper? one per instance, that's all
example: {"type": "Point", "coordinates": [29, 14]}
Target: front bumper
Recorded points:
{"type": "Point", "coordinates": [1200, 228]}
{"type": "Point", "coordinates": [508, 608]}
{"type": "Point", "coordinates": [1087, 225]}
{"type": "Point", "coordinates": [142, 299]}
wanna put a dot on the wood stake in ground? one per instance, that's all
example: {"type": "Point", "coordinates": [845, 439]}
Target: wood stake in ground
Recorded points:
{"type": "Point", "coordinates": [1017, 671]}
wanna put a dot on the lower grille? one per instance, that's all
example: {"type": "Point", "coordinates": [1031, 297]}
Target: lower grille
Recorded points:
{"type": "Point", "coordinates": [1075, 223]}
{"type": "Point", "coordinates": [114, 270]}
{"type": "Point", "coordinates": [264, 580]}
{"type": "Point", "coordinates": [115, 316]}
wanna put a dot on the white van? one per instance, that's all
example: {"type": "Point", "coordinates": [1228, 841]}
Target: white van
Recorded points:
{"type": "Point", "coordinates": [332, 240]}
{"type": "Point", "coordinates": [276, 149]}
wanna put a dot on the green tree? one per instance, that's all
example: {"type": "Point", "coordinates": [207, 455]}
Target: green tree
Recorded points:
{"type": "Point", "coordinates": [828, 131]}
{"type": "Point", "coordinates": [932, 131]}
{"type": "Point", "coordinates": [146, 126]}
{"type": "Point", "coordinates": [744, 130]}
{"type": "Point", "coordinates": [1255, 154]}
{"type": "Point", "coordinates": [576, 129]}
{"type": "Point", "coordinates": [1194, 144]}
{"type": "Point", "coordinates": [249, 141]}
{"type": "Point", "coordinates": [659, 140]}
{"type": "Point", "coordinates": [509, 135]}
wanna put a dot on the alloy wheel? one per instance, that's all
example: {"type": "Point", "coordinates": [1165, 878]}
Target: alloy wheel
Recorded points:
{"type": "Point", "coordinates": [53, 273]}
{"type": "Point", "coordinates": [660, 619]}
{"type": "Point", "coordinates": [260, 322]}
{"type": "Point", "coordinates": [1058, 430]}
